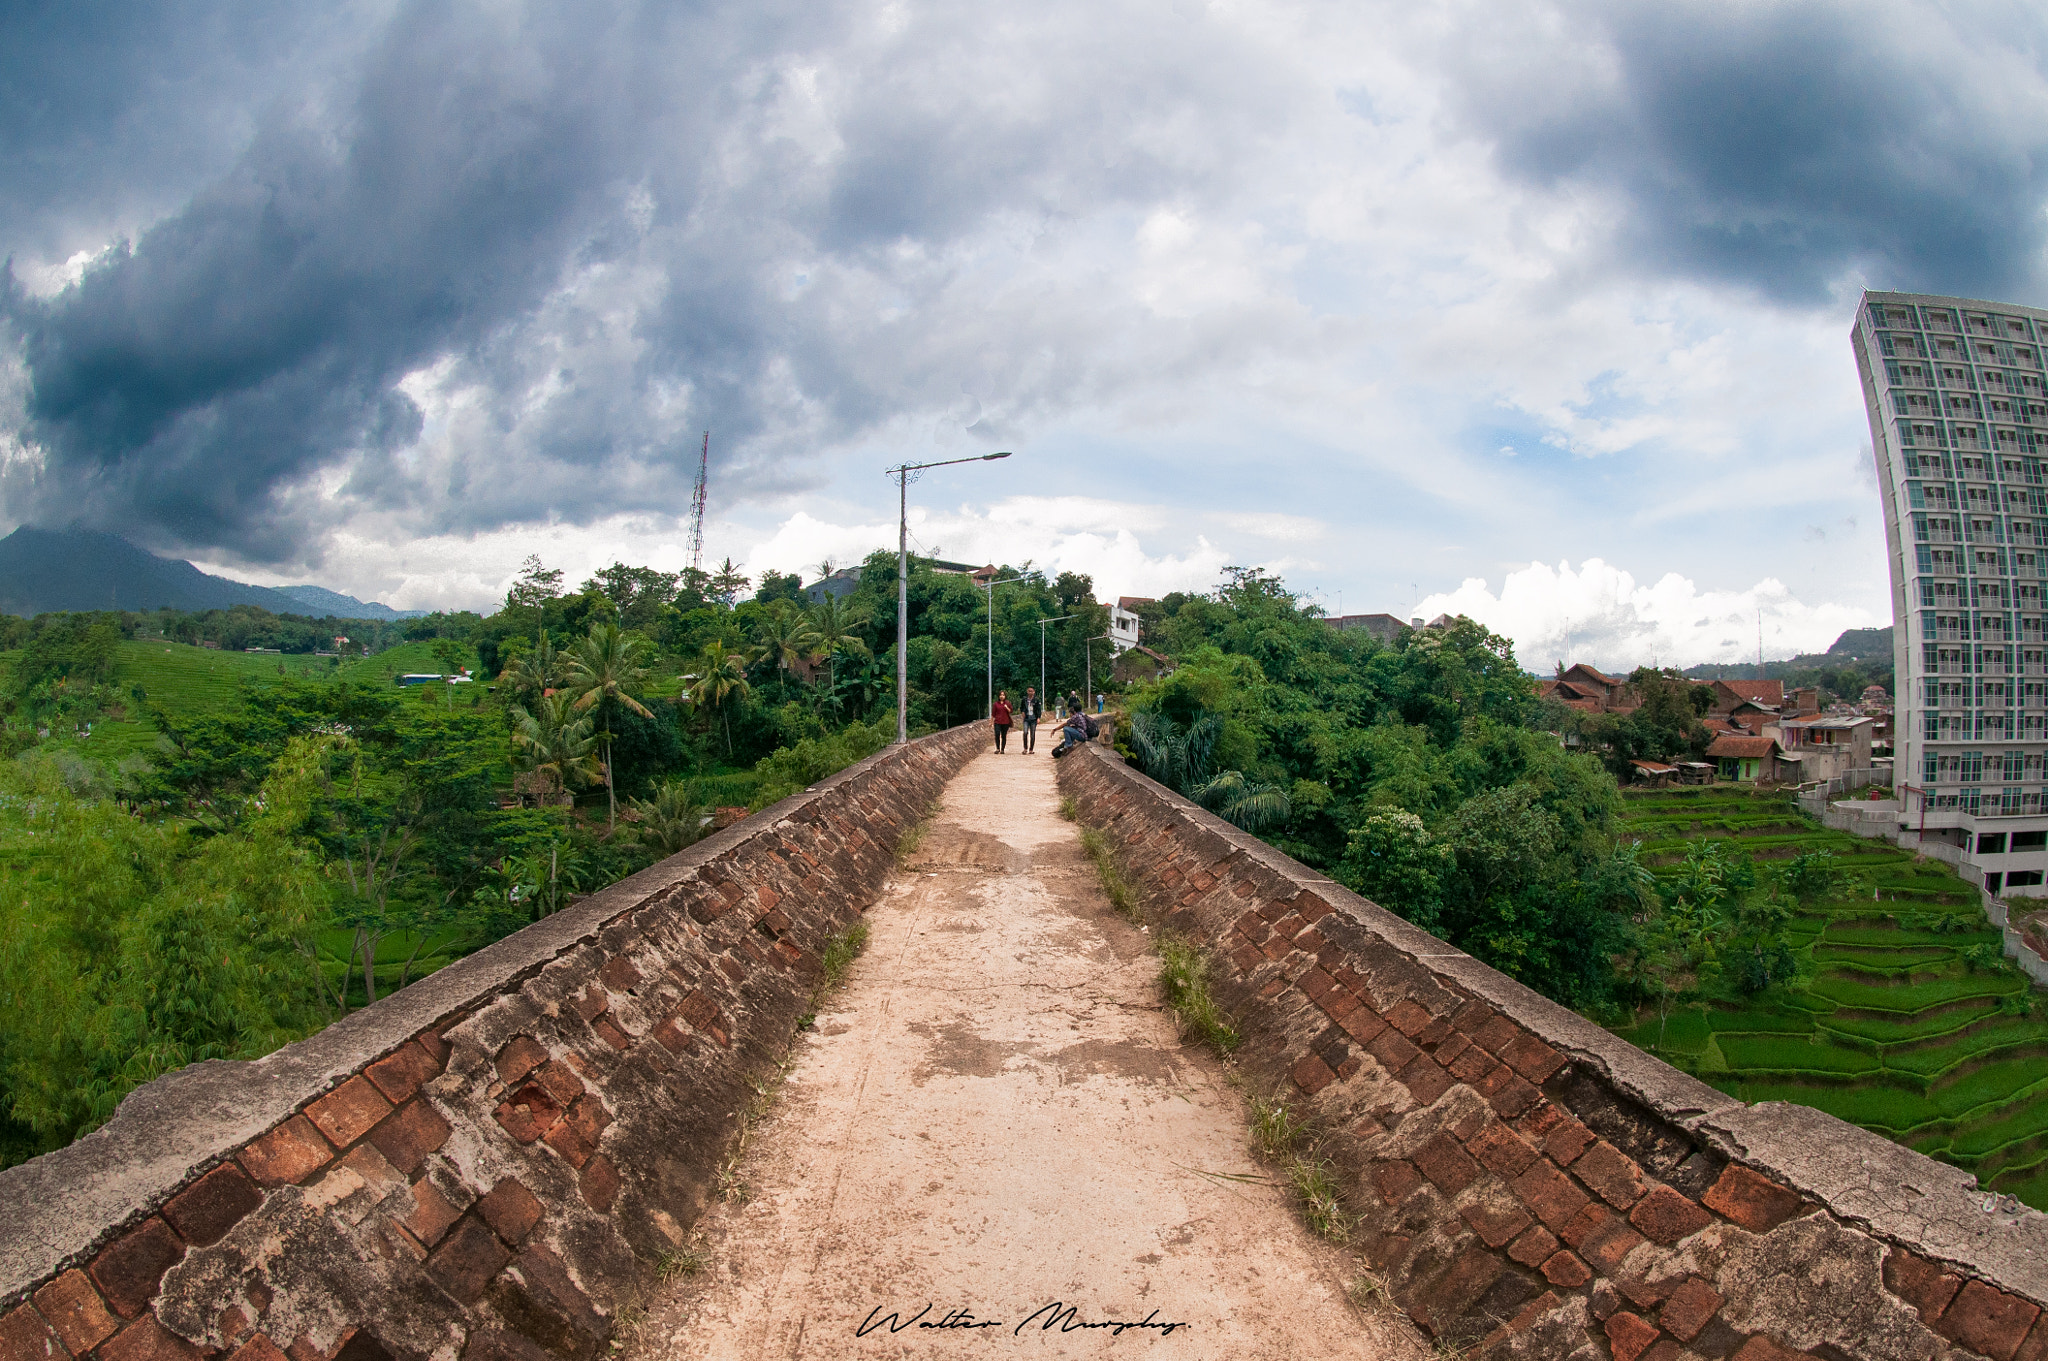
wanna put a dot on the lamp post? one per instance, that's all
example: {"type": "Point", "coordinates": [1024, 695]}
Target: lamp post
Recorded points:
{"type": "Point", "coordinates": [1088, 661]}
{"type": "Point", "coordinates": [992, 584]}
{"type": "Point", "coordinates": [905, 474]}
{"type": "Point", "coordinates": [1041, 650]}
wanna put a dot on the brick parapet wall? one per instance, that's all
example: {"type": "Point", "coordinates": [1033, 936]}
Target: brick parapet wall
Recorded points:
{"type": "Point", "coordinates": [1529, 1183]}
{"type": "Point", "coordinates": [486, 1164]}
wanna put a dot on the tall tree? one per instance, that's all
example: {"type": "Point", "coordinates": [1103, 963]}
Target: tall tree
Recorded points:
{"type": "Point", "coordinates": [533, 588]}
{"type": "Point", "coordinates": [720, 678]}
{"type": "Point", "coordinates": [603, 669]}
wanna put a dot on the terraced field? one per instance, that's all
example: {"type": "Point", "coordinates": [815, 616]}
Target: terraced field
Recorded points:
{"type": "Point", "coordinates": [1887, 1025]}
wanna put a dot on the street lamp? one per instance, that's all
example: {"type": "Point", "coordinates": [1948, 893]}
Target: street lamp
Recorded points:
{"type": "Point", "coordinates": [1041, 650]}
{"type": "Point", "coordinates": [992, 584]}
{"type": "Point", "coordinates": [1088, 661]}
{"type": "Point", "coordinates": [905, 474]}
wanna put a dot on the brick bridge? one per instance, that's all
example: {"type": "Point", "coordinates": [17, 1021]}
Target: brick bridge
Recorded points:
{"type": "Point", "coordinates": [597, 1136]}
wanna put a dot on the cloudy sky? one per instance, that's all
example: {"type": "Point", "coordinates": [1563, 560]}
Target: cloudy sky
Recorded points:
{"type": "Point", "coordinates": [1536, 311]}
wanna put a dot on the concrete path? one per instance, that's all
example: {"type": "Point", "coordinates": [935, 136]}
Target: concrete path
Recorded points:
{"type": "Point", "coordinates": [995, 1116]}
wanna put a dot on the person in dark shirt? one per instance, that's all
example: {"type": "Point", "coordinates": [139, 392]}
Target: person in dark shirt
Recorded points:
{"type": "Point", "coordinates": [1074, 734]}
{"type": "Point", "coordinates": [1027, 716]}
{"type": "Point", "coordinates": [1001, 716]}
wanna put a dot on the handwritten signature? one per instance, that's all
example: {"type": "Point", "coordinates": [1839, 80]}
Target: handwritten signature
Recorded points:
{"type": "Point", "coordinates": [1057, 1315]}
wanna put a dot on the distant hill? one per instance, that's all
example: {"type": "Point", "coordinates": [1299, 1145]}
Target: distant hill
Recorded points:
{"type": "Point", "coordinates": [1867, 650]}
{"type": "Point", "coordinates": [42, 570]}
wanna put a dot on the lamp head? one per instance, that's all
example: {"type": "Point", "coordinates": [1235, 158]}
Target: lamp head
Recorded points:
{"type": "Point", "coordinates": [987, 458]}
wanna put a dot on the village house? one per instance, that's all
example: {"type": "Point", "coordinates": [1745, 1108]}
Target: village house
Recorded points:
{"type": "Point", "coordinates": [1590, 691]}
{"type": "Point", "coordinates": [1744, 758]}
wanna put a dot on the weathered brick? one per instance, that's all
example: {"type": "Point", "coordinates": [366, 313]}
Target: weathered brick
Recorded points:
{"type": "Point", "coordinates": [1987, 1320]}
{"type": "Point", "coordinates": [568, 1141]}
{"type": "Point", "coordinates": [1690, 1308]}
{"type": "Point", "coordinates": [1610, 1174]}
{"type": "Point", "coordinates": [1247, 957]}
{"type": "Point", "coordinates": [24, 1336]}
{"type": "Point", "coordinates": [528, 1113]}
{"type": "Point", "coordinates": [1364, 1025]}
{"type": "Point", "coordinates": [1534, 1247]}
{"type": "Point", "coordinates": [1501, 1150]}
{"type": "Point", "coordinates": [519, 1057]}
{"type": "Point", "coordinates": [1338, 1003]}
{"type": "Point", "coordinates": [1605, 1247]}
{"type": "Point", "coordinates": [1644, 1292]}
{"type": "Point", "coordinates": [1472, 1065]}
{"type": "Point", "coordinates": [1764, 1347]}
{"type": "Point", "coordinates": [510, 1209]}
{"type": "Point", "coordinates": [1394, 1180]}
{"type": "Point", "coordinates": [1751, 1199]}
{"type": "Point", "coordinates": [399, 1074]}
{"type": "Point", "coordinates": [1452, 1045]}
{"type": "Point", "coordinates": [1550, 1193]}
{"type": "Point", "coordinates": [1665, 1215]}
{"type": "Point", "coordinates": [258, 1348]}
{"type": "Point", "coordinates": [1566, 1141]}
{"type": "Point", "coordinates": [1444, 1161]}
{"type": "Point", "coordinates": [1311, 1074]}
{"type": "Point", "coordinates": [77, 1313]}
{"type": "Point", "coordinates": [1532, 1058]}
{"type": "Point", "coordinates": [1252, 924]}
{"type": "Point", "coordinates": [559, 1081]}
{"type": "Point", "coordinates": [1496, 1034]}
{"type": "Point", "coordinates": [345, 1114]}
{"type": "Point", "coordinates": [1472, 1015]}
{"type": "Point", "coordinates": [1276, 947]}
{"type": "Point", "coordinates": [619, 974]}
{"type": "Point", "coordinates": [611, 1034]}
{"type": "Point", "coordinates": [591, 1003]}
{"type": "Point", "coordinates": [1629, 1335]}
{"type": "Point", "coordinates": [1408, 1018]}
{"type": "Point", "coordinates": [290, 1153]}
{"type": "Point", "coordinates": [1510, 1097]}
{"type": "Point", "coordinates": [1392, 1049]}
{"type": "Point", "coordinates": [431, 1213]}
{"type": "Point", "coordinates": [467, 1259]}
{"type": "Point", "coordinates": [1315, 983]}
{"type": "Point", "coordinates": [1563, 1268]}
{"type": "Point", "coordinates": [1495, 1225]}
{"type": "Point", "coordinates": [147, 1340]}
{"type": "Point", "coordinates": [204, 1211]}
{"type": "Point", "coordinates": [409, 1134]}
{"type": "Point", "coordinates": [1920, 1283]}
{"type": "Point", "coordinates": [1588, 1221]}
{"type": "Point", "coordinates": [127, 1271]}
{"type": "Point", "coordinates": [599, 1183]}
{"type": "Point", "coordinates": [700, 1011]}
{"type": "Point", "coordinates": [1425, 1079]}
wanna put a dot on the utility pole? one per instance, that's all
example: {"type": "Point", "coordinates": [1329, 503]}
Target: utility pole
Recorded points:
{"type": "Point", "coordinates": [905, 474]}
{"type": "Point", "coordinates": [1041, 650]}
{"type": "Point", "coordinates": [1088, 657]}
{"type": "Point", "coordinates": [992, 584]}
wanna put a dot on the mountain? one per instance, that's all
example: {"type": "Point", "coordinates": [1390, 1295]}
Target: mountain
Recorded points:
{"type": "Point", "coordinates": [42, 570]}
{"type": "Point", "coordinates": [320, 602]}
{"type": "Point", "coordinates": [1867, 650]}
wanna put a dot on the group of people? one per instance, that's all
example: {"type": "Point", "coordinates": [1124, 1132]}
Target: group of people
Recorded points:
{"type": "Point", "coordinates": [1077, 729]}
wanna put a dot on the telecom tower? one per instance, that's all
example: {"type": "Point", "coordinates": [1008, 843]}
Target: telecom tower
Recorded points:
{"type": "Point", "coordinates": [697, 507]}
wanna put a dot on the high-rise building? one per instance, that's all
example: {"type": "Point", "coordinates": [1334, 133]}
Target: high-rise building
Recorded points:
{"type": "Point", "coordinates": [1959, 426]}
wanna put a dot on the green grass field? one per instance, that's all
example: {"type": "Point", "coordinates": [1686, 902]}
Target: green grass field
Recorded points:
{"type": "Point", "coordinates": [1886, 1026]}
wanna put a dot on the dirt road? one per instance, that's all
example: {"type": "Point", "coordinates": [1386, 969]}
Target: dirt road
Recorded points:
{"type": "Point", "coordinates": [994, 1116]}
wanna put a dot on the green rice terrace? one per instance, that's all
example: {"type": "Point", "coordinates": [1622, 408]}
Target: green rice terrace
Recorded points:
{"type": "Point", "coordinates": [1899, 1019]}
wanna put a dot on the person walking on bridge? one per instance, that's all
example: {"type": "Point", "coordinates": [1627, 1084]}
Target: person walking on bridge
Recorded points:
{"type": "Point", "coordinates": [1001, 716]}
{"type": "Point", "coordinates": [1028, 717]}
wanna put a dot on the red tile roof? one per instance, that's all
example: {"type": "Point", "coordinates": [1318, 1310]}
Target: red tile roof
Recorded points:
{"type": "Point", "coordinates": [1742, 747]}
{"type": "Point", "coordinates": [1771, 692]}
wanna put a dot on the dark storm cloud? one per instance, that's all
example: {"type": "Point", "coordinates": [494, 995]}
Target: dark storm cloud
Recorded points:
{"type": "Point", "coordinates": [1784, 145]}
{"type": "Point", "coordinates": [491, 188]}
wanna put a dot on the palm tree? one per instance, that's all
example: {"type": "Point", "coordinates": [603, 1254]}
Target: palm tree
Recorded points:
{"type": "Point", "coordinates": [602, 668]}
{"type": "Point", "coordinates": [834, 622]}
{"type": "Point", "coordinates": [785, 638]}
{"type": "Point", "coordinates": [1243, 803]}
{"type": "Point", "coordinates": [672, 820]}
{"type": "Point", "coordinates": [721, 677]}
{"type": "Point", "coordinates": [530, 675]}
{"type": "Point", "coordinates": [551, 740]}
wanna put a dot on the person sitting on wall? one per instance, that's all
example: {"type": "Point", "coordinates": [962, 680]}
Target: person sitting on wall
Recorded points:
{"type": "Point", "coordinates": [1074, 733]}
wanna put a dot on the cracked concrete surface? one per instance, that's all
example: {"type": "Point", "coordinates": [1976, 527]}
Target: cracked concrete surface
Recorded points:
{"type": "Point", "coordinates": [995, 1116]}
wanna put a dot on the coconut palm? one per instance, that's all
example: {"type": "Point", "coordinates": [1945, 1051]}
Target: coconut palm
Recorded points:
{"type": "Point", "coordinates": [531, 675]}
{"type": "Point", "coordinates": [1243, 803]}
{"type": "Point", "coordinates": [602, 669]}
{"type": "Point", "coordinates": [552, 740]}
{"type": "Point", "coordinates": [672, 820]}
{"type": "Point", "coordinates": [721, 677]}
{"type": "Point", "coordinates": [785, 638]}
{"type": "Point", "coordinates": [834, 622]}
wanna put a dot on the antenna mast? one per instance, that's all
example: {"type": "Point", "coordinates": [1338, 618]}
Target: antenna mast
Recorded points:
{"type": "Point", "coordinates": [697, 507]}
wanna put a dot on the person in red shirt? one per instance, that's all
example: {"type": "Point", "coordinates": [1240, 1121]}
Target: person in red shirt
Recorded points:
{"type": "Point", "coordinates": [1001, 715]}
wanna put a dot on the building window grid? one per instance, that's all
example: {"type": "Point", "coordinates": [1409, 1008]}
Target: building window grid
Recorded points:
{"type": "Point", "coordinates": [2002, 463]}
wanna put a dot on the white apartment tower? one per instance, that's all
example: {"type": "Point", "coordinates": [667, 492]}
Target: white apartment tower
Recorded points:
{"type": "Point", "coordinates": [1959, 426]}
